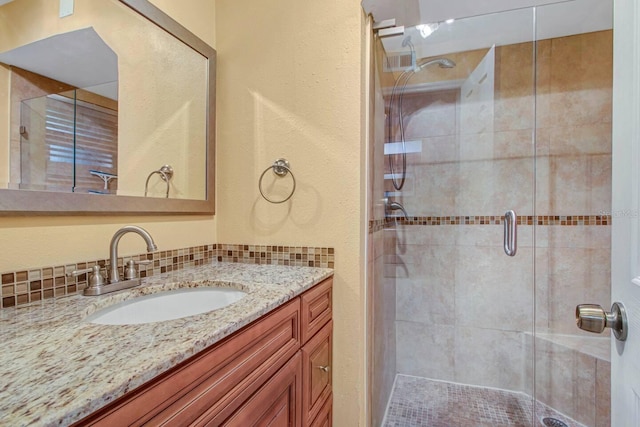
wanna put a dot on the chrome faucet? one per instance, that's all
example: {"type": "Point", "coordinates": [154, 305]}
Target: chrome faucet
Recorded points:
{"type": "Point", "coordinates": [113, 248]}
{"type": "Point", "coordinates": [98, 284]}
{"type": "Point", "coordinates": [392, 206]}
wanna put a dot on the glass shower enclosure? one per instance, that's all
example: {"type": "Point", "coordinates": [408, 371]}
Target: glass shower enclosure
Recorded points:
{"type": "Point", "coordinates": [489, 188]}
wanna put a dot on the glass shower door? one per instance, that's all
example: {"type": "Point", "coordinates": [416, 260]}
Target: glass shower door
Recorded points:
{"type": "Point", "coordinates": [574, 73]}
{"type": "Point", "coordinates": [462, 115]}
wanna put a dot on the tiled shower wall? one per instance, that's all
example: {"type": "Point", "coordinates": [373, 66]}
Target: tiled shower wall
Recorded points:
{"type": "Point", "coordinates": [464, 310]}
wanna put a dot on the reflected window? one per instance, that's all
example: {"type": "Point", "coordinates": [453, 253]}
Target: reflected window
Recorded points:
{"type": "Point", "coordinates": [69, 143]}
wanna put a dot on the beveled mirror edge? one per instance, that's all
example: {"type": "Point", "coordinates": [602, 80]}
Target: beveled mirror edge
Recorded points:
{"type": "Point", "coordinates": [22, 202]}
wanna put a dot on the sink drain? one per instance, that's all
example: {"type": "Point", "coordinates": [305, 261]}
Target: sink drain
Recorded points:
{"type": "Point", "coordinates": [553, 422]}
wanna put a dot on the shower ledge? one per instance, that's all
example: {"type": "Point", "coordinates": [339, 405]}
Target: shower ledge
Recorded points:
{"type": "Point", "coordinates": [598, 347]}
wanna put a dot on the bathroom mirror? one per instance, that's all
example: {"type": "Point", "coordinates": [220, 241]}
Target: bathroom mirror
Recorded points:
{"type": "Point", "coordinates": [106, 108]}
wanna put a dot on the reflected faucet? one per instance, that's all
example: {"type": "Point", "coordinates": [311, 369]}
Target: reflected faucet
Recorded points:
{"type": "Point", "coordinates": [113, 247]}
{"type": "Point", "coordinates": [390, 205]}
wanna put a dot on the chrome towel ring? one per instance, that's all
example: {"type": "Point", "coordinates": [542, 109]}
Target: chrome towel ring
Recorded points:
{"type": "Point", "coordinates": [166, 173]}
{"type": "Point", "coordinates": [281, 168]}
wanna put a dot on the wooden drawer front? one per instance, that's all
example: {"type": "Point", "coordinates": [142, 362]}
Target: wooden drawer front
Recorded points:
{"type": "Point", "coordinates": [316, 308]}
{"type": "Point", "coordinates": [316, 373]}
{"type": "Point", "coordinates": [325, 417]}
{"type": "Point", "coordinates": [276, 404]}
{"type": "Point", "coordinates": [217, 380]}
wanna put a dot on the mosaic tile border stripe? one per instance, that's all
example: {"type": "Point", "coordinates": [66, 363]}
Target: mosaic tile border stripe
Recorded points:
{"type": "Point", "coordinates": [35, 284]}
{"type": "Point", "coordinates": [563, 220]}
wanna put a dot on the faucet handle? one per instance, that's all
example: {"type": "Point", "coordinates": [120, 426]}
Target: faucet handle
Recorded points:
{"type": "Point", "coordinates": [95, 277]}
{"type": "Point", "coordinates": [390, 205]}
{"type": "Point", "coordinates": [130, 271]}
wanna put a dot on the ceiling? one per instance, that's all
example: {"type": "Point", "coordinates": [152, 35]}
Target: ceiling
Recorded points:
{"type": "Point", "coordinates": [483, 28]}
{"type": "Point", "coordinates": [79, 58]}
{"type": "Point", "coordinates": [414, 12]}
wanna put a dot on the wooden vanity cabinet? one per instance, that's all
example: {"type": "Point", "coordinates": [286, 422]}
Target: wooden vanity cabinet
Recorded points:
{"type": "Point", "coordinates": [316, 371]}
{"type": "Point", "coordinates": [274, 372]}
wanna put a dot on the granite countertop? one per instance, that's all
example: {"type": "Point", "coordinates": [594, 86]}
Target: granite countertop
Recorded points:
{"type": "Point", "coordinates": [57, 368]}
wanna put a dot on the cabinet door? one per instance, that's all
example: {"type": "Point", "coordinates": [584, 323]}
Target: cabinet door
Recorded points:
{"type": "Point", "coordinates": [324, 418]}
{"type": "Point", "coordinates": [316, 308]}
{"type": "Point", "coordinates": [276, 404]}
{"type": "Point", "coordinates": [316, 373]}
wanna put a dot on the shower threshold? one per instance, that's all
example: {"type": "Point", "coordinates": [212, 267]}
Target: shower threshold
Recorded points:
{"type": "Point", "coordinates": [421, 402]}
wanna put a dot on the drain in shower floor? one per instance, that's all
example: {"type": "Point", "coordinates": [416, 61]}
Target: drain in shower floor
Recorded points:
{"type": "Point", "coordinates": [552, 422]}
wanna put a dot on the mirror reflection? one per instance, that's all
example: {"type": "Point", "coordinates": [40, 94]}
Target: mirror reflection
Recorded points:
{"type": "Point", "coordinates": [100, 101]}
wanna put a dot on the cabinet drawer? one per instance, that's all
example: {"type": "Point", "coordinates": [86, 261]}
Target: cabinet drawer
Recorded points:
{"type": "Point", "coordinates": [316, 373]}
{"type": "Point", "coordinates": [215, 381]}
{"type": "Point", "coordinates": [316, 308]}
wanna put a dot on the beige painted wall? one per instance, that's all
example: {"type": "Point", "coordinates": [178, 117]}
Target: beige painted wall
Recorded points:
{"type": "Point", "coordinates": [41, 241]}
{"type": "Point", "coordinates": [292, 87]}
{"type": "Point", "coordinates": [5, 83]}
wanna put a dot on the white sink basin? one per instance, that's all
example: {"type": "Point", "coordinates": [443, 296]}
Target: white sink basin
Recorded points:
{"type": "Point", "coordinates": [167, 305]}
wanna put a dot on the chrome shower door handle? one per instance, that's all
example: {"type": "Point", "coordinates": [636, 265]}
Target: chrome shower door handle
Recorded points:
{"type": "Point", "coordinates": [510, 233]}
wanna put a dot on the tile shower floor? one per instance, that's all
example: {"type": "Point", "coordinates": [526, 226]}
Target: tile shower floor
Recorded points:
{"type": "Point", "coordinates": [420, 402]}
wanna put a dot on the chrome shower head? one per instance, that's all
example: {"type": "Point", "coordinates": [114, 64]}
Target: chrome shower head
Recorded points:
{"type": "Point", "coordinates": [442, 62]}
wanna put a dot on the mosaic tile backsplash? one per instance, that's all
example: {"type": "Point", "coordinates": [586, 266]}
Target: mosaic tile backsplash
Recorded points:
{"type": "Point", "coordinates": [29, 285]}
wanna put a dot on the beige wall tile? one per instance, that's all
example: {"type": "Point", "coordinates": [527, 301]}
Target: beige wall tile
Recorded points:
{"type": "Point", "coordinates": [429, 114]}
{"type": "Point", "coordinates": [541, 289]}
{"type": "Point", "coordinates": [493, 187]}
{"type": "Point", "coordinates": [435, 190]}
{"type": "Point", "coordinates": [428, 263]}
{"type": "Point", "coordinates": [603, 393]}
{"type": "Point", "coordinates": [493, 290]}
{"type": "Point", "coordinates": [431, 304]}
{"type": "Point", "coordinates": [577, 185]}
{"type": "Point", "coordinates": [489, 358]}
{"type": "Point", "coordinates": [576, 276]}
{"type": "Point", "coordinates": [589, 138]}
{"type": "Point", "coordinates": [565, 380]}
{"type": "Point", "coordinates": [478, 146]}
{"type": "Point", "coordinates": [390, 240]}
{"type": "Point", "coordinates": [433, 236]}
{"type": "Point", "coordinates": [425, 350]}
{"type": "Point", "coordinates": [491, 235]}
{"type": "Point", "coordinates": [514, 107]}
{"type": "Point", "coordinates": [528, 379]}
{"type": "Point", "coordinates": [586, 237]}
{"type": "Point", "coordinates": [513, 113]}
{"type": "Point", "coordinates": [514, 144]}
{"type": "Point", "coordinates": [437, 149]}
